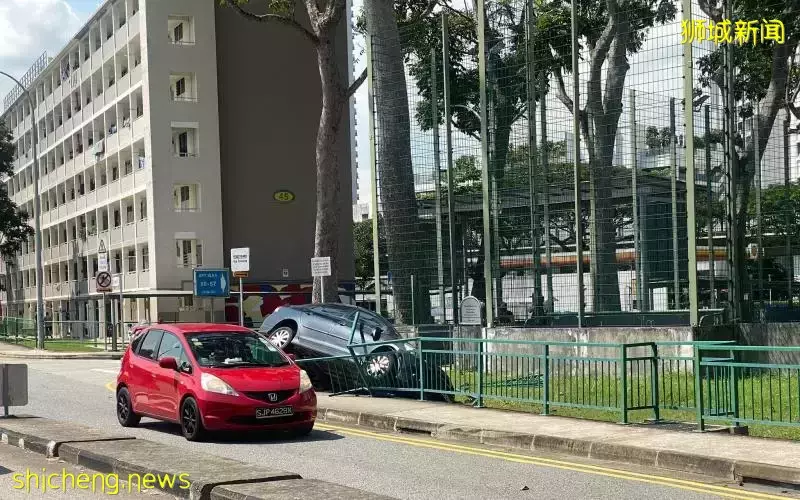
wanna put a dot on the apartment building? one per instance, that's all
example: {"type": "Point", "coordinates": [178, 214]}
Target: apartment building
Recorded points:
{"type": "Point", "coordinates": [152, 144]}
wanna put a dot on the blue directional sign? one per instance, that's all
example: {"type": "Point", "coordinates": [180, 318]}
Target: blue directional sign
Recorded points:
{"type": "Point", "coordinates": [212, 283]}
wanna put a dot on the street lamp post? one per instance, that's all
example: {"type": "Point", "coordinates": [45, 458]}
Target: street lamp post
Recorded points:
{"type": "Point", "coordinates": [37, 227]}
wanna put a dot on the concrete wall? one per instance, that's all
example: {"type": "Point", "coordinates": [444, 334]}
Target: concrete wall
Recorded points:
{"type": "Point", "coordinates": [770, 334]}
{"type": "Point", "coordinates": [269, 105]}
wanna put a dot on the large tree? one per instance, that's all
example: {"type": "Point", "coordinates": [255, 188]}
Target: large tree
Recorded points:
{"type": "Point", "coordinates": [766, 73]}
{"type": "Point", "coordinates": [324, 18]}
{"type": "Point", "coordinates": [14, 228]}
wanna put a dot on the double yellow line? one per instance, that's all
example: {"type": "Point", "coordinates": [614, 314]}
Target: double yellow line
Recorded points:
{"type": "Point", "coordinates": [698, 487]}
{"type": "Point", "coordinates": [695, 486]}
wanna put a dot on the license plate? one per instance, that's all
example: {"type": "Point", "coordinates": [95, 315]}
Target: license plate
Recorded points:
{"type": "Point", "coordinates": [274, 412]}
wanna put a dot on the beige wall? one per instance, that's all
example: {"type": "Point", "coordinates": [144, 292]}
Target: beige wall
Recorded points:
{"type": "Point", "coordinates": [269, 106]}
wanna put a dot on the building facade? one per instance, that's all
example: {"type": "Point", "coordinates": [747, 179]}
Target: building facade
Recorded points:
{"type": "Point", "coordinates": [159, 138]}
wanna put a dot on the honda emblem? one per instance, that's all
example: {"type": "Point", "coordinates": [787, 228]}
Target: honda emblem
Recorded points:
{"type": "Point", "coordinates": [272, 396]}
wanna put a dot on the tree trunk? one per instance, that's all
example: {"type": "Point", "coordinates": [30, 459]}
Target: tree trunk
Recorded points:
{"type": "Point", "coordinates": [326, 234]}
{"type": "Point", "coordinates": [404, 239]}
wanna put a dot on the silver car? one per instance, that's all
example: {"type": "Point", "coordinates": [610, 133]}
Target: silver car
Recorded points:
{"type": "Point", "coordinates": [325, 329]}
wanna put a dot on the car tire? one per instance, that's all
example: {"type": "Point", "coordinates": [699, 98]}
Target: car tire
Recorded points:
{"type": "Point", "coordinates": [300, 432]}
{"type": "Point", "coordinates": [125, 414]}
{"type": "Point", "coordinates": [380, 365]}
{"type": "Point", "coordinates": [282, 336]}
{"type": "Point", "coordinates": [191, 421]}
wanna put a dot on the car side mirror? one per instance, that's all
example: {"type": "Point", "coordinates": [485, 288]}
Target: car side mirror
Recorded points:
{"type": "Point", "coordinates": [168, 363]}
{"type": "Point", "coordinates": [376, 334]}
{"type": "Point", "coordinates": [291, 356]}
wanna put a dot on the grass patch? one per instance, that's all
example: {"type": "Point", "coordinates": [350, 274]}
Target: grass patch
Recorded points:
{"type": "Point", "coordinates": [58, 345]}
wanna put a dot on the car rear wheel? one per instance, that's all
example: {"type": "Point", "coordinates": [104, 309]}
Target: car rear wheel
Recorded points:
{"type": "Point", "coordinates": [282, 336]}
{"type": "Point", "coordinates": [125, 413]}
{"type": "Point", "coordinates": [191, 423]}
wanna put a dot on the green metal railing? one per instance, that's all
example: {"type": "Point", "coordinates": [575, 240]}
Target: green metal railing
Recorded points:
{"type": "Point", "coordinates": [622, 382]}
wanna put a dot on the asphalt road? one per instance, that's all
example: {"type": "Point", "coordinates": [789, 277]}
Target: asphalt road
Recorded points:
{"type": "Point", "coordinates": [406, 467]}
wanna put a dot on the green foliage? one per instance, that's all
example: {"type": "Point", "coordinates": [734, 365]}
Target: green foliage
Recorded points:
{"type": "Point", "coordinates": [14, 227]}
{"type": "Point", "coordinates": [364, 254]}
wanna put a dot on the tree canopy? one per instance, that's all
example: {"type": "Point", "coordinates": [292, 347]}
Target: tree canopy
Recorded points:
{"type": "Point", "coordinates": [14, 227]}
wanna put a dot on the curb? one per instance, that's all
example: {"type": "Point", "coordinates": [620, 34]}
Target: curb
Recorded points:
{"type": "Point", "coordinates": [210, 477]}
{"type": "Point", "coordinates": [60, 355]}
{"type": "Point", "coordinates": [722, 468]}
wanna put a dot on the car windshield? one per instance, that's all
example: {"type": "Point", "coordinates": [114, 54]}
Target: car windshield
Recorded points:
{"type": "Point", "coordinates": [239, 349]}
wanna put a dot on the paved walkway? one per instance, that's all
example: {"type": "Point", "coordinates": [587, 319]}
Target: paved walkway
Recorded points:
{"type": "Point", "coordinates": [15, 351]}
{"type": "Point", "coordinates": [712, 453]}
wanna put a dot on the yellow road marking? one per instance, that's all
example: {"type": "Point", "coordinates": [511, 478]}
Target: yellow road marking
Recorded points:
{"type": "Point", "coordinates": [559, 464]}
{"type": "Point", "coordinates": [683, 484]}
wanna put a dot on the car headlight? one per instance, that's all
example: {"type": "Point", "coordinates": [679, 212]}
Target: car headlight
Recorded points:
{"type": "Point", "coordinates": [305, 382]}
{"type": "Point", "coordinates": [211, 383]}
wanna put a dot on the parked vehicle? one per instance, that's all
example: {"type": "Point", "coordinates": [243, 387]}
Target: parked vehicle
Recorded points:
{"type": "Point", "coordinates": [213, 377]}
{"type": "Point", "coordinates": [324, 330]}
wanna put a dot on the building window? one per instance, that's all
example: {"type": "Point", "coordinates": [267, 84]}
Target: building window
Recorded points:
{"type": "Point", "coordinates": [180, 87]}
{"type": "Point", "coordinates": [131, 261]}
{"type": "Point", "coordinates": [186, 198]}
{"type": "Point", "coordinates": [145, 258]}
{"type": "Point", "coordinates": [189, 253]}
{"type": "Point", "coordinates": [129, 217]}
{"type": "Point", "coordinates": [117, 218]}
{"type": "Point", "coordinates": [177, 33]}
{"type": "Point", "coordinates": [143, 209]}
{"type": "Point", "coordinates": [118, 262]}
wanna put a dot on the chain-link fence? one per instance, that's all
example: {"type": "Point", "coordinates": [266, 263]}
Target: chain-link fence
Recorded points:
{"type": "Point", "coordinates": [603, 200]}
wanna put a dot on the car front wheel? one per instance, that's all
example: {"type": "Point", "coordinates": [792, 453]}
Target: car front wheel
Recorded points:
{"type": "Point", "coordinates": [191, 423]}
{"type": "Point", "coordinates": [381, 364]}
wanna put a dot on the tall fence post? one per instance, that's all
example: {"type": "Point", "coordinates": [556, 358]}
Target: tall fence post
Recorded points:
{"type": "Point", "coordinates": [373, 177]}
{"type": "Point", "coordinates": [451, 212]}
{"type": "Point", "coordinates": [623, 362]}
{"type": "Point", "coordinates": [637, 245]}
{"type": "Point", "coordinates": [438, 185]}
{"type": "Point", "coordinates": [709, 207]}
{"type": "Point", "coordinates": [546, 382]}
{"type": "Point", "coordinates": [576, 139]}
{"type": "Point", "coordinates": [485, 167]}
{"type": "Point", "coordinates": [673, 159]}
{"type": "Point", "coordinates": [691, 227]}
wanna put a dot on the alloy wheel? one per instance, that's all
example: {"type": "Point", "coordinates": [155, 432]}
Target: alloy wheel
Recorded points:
{"type": "Point", "coordinates": [379, 365]}
{"type": "Point", "coordinates": [281, 337]}
{"type": "Point", "coordinates": [189, 418]}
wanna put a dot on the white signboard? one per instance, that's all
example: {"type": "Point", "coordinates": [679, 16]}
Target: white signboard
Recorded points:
{"type": "Point", "coordinates": [102, 262]}
{"type": "Point", "coordinates": [240, 260]}
{"type": "Point", "coordinates": [320, 266]}
{"type": "Point", "coordinates": [285, 273]}
{"type": "Point", "coordinates": [471, 312]}
{"type": "Point", "coordinates": [115, 282]}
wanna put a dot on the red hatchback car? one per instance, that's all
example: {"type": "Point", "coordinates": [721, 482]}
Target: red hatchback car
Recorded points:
{"type": "Point", "coordinates": [210, 377]}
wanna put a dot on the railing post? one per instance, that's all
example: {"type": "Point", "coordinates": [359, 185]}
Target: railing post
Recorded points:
{"type": "Point", "coordinates": [479, 401]}
{"type": "Point", "coordinates": [734, 389]}
{"type": "Point", "coordinates": [546, 395]}
{"type": "Point", "coordinates": [698, 390]}
{"type": "Point", "coordinates": [421, 371]}
{"type": "Point", "coordinates": [654, 381]}
{"type": "Point", "coordinates": [623, 359]}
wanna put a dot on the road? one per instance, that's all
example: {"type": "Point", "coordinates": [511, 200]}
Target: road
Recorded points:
{"type": "Point", "coordinates": [406, 467]}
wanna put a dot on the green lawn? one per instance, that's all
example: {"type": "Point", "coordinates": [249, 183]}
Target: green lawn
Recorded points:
{"type": "Point", "coordinates": [59, 345]}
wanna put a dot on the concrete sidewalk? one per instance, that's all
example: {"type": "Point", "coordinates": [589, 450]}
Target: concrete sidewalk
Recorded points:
{"type": "Point", "coordinates": [716, 454]}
